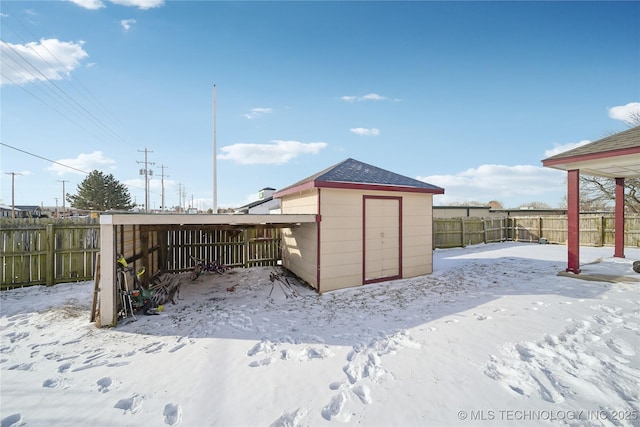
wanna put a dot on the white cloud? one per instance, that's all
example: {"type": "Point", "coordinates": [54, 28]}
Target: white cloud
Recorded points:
{"type": "Point", "coordinates": [276, 153]}
{"type": "Point", "coordinates": [257, 112]}
{"type": "Point", "coordinates": [368, 97]}
{"type": "Point", "coordinates": [84, 162]}
{"type": "Point", "coordinates": [126, 23]}
{"type": "Point", "coordinates": [512, 185]}
{"type": "Point", "coordinates": [140, 4]}
{"type": "Point", "coordinates": [365, 131]}
{"type": "Point", "coordinates": [561, 148]}
{"type": "Point", "coordinates": [53, 59]}
{"type": "Point", "coordinates": [89, 4]}
{"type": "Point", "coordinates": [626, 113]}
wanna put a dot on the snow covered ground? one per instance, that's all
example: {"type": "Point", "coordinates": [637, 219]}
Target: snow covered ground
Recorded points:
{"type": "Point", "coordinates": [493, 337]}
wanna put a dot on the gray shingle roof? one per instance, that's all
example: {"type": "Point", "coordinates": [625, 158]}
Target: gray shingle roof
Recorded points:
{"type": "Point", "coordinates": [629, 138]}
{"type": "Point", "coordinates": [351, 171]}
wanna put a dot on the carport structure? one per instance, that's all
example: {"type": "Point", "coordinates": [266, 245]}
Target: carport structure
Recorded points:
{"type": "Point", "coordinates": [617, 157]}
{"type": "Point", "coordinates": [164, 242]}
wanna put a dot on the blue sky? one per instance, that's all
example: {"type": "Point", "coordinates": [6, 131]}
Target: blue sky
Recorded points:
{"type": "Point", "coordinates": [469, 96]}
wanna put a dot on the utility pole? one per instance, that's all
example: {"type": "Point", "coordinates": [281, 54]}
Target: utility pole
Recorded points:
{"type": "Point", "coordinates": [64, 196]}
{"type": "Point", "coordinates": [146, 172]}
{"type": "Point", "coordinates": [162, 175]}
{"type": "Point", "coordinates": [13, 200]}
{"type": "Point", "coordinates": [215, 154]}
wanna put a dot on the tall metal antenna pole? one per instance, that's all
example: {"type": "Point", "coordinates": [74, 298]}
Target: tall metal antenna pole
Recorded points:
{"type": "Point", "coordinates": [162, 175]}
{"type": "Point", "coordinates": [215, 154]}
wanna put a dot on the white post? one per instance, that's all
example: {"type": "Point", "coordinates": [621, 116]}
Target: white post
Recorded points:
{"type": "Point", "coordinates": [215, 154]}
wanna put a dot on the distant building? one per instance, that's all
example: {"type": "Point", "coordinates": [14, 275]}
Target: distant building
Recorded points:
{"type": "Point", "coordinates": [22, 211]}
{"type": "Point", "coordinates": [264, 205]}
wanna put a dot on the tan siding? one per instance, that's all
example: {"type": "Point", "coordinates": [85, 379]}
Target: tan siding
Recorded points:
{"type": "Point", "coordinates": [299, 252]}
{"type": "Point", "coordinates": [341, 228]}
{"type": "Point", "coordinates": [300, 244]}
{"type": "Point", "coordinates": [417, 251]}
{"type": "Point", "coordinates": [302, 203]}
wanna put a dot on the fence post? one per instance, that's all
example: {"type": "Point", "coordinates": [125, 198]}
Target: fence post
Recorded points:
{"type": "Point", "coordinates": [51, 255]}
{"type": "Point", "coordinates": [245, 248]}
{"type": "Point", "coordinates": [462, 231]}
{"type": "Point", "coordinates": [484, 230]}
{"type": "Point", "coordinates": [539, 228]}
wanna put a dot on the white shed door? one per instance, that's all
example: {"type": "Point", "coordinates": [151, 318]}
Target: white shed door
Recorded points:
{"type": "Point", "coordinates": [382, 238]}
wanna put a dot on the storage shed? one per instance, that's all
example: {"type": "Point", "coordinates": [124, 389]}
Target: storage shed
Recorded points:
{"type": "Point", "coordinates": [373, 226]}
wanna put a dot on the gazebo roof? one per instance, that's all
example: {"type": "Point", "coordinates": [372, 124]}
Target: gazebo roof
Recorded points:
{"type": "Point", "coordinates": [616, 156]}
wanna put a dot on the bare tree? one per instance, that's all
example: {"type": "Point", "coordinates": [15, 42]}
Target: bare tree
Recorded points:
{"type": "Point", "coordinates": [600, 193]}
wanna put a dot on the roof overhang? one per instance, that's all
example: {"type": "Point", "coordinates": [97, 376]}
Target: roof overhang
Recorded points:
{"type": "Point", "coordinates": [240, 221]}
{"type": "Point", "coordinates": [611, 164]}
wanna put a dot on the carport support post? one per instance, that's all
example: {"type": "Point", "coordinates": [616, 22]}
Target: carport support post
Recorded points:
{"type": "Point", "coordinates": [619, 222]}
{"type": "Point", "coordinates": [573, 221]}
{"type": "Point", "coordinates": [107, 285]}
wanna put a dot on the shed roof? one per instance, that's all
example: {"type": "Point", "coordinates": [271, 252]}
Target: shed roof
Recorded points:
{"type": "Point", "coordinates": [616, 156]}
{"type": "Point", "coordinates": [352, 174]}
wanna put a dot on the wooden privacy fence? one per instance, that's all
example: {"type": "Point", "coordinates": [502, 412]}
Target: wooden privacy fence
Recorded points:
{"type": "Point", "coordinates": [46, 252]}
{"type": "Point", "coordinates": [595, 230]}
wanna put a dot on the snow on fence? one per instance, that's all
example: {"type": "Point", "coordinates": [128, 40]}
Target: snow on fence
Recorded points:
{"type": "Point", "coordinates": [46, 252]}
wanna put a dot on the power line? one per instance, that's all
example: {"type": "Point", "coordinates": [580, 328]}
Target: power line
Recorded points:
{"type": "Point", "coordinates": [57, 163]}
{"type": "Point", "coordinates": [19, 58]}
{"type": "Point", "coordinates": [44, 158]}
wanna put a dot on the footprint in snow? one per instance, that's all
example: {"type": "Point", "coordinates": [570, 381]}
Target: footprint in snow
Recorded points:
{"type": "Point", "coordinates": [178, 347]}
{"type": "Point", "coordinates": [132, 404]}
{"type": "Point", "coordinates": [56, 383]}
{"type": "Point", "coordinates": [13, 420]}
{"type": "Point", "coordinates": [264, 362]}
{"type": "Point", "coordinates": [64, 367]}
{"type": "Point", "coordinates": [172, 414]}
{"type": "Point", "coordinates": [292, 419]}
{"type": "Point", "coordinates": [364, 393]}
{"type": "Point", "coordinates": [104, 384]}
{"type": "Point", "coordinates": [335, 409]}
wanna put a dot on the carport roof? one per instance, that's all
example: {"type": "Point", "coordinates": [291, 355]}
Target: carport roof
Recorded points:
{"type": "Point", "coordinates": [616, 156]}
{"type": "Point", "coordinates": [240, 221]}
{"type": "Point", "coordinates": [353, 174]}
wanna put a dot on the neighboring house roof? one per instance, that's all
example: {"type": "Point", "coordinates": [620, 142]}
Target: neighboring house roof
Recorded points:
{"type": "Point", "coordinates": [8, 208]}
{"type": "Point", "coordinates": [616, 156]}
{"type": "Point", "coordinates": [254, 204]}
{"type": "Point", "coordinates": [352, 174]}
